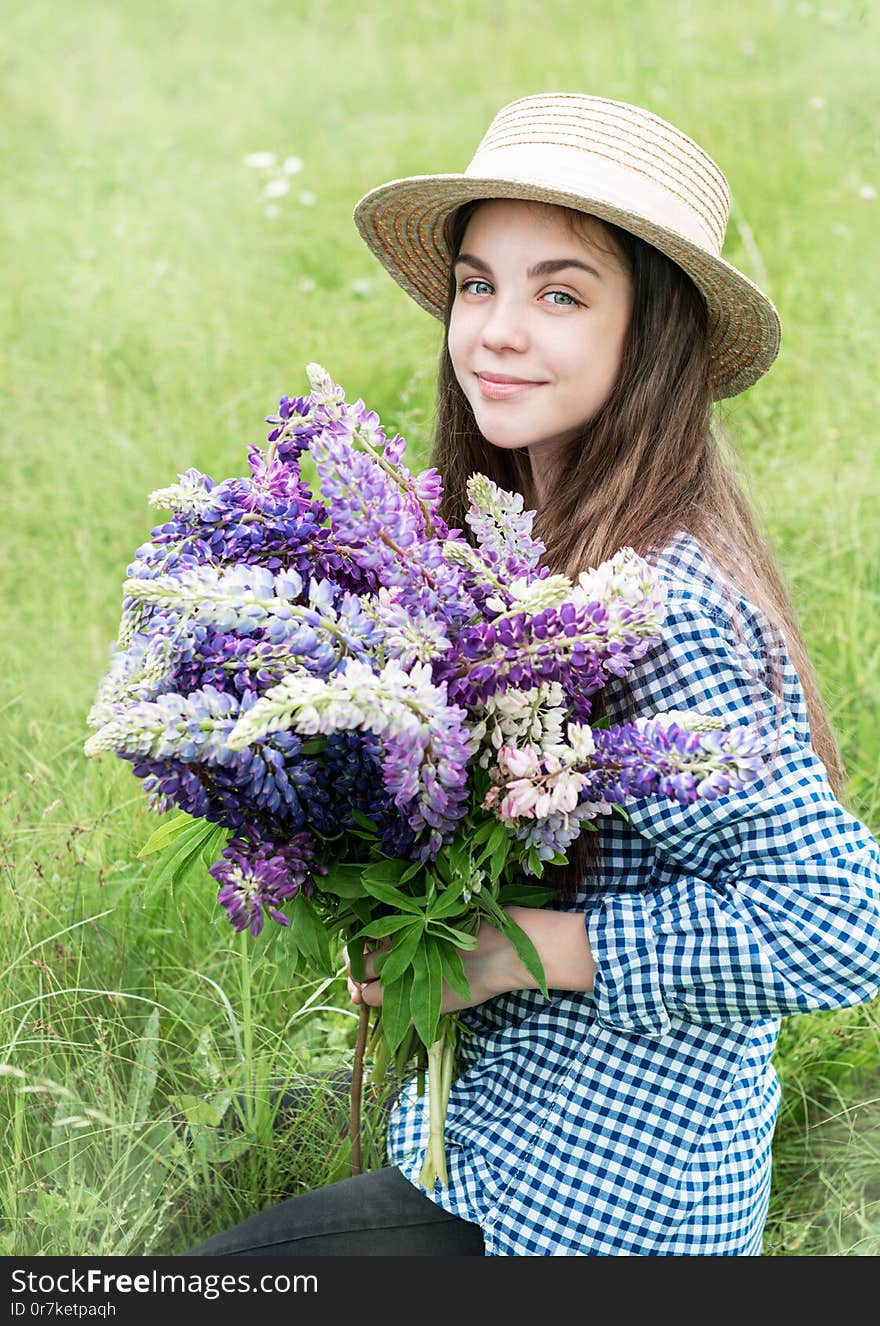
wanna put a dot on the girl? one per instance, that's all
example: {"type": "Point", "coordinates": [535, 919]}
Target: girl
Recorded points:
{"type": "Point", "coordinates": [590, 323]}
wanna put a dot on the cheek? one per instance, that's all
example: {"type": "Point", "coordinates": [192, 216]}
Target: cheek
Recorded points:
{"type": "Point", "coordinates": [457, 341]}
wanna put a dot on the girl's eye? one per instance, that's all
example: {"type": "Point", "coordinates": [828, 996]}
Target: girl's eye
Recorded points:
{"type": "Point", "coordinates": [475, 281]}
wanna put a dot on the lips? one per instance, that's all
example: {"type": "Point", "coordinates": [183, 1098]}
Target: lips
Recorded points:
{"type": "Point", "coordinates": [502, 388]}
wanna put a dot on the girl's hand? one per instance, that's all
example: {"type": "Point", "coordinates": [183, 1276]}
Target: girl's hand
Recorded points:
{"type": "Point", "coordinates": [494, 967]}
{"type": "Point", "coordinates": [490, 969]}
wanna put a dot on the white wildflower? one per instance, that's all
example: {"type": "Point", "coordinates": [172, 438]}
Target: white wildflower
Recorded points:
{"type": "Point", "coordinates": [260, 160]}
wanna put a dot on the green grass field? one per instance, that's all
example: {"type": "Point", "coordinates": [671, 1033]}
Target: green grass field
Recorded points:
{"type": "Point", "coordinates": [161, 295]}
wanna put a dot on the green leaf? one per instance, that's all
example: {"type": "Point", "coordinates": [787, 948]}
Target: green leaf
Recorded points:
{"type": "Point", "coordinates": [165, 834]}
{"type": "Point", "coordinates": [621, 812]}
{"type": "Point", "coordinates": [396, 1009]}
{"type": "Point", "coordinates": [316, 746]}
{"type": "Point", "coordinates": [393, 964]}
{"type": "Point", "coordinates": [182, 853]}
{"type": "Point", "coordinates": [448, 900]}
{"type": "Point", "coordinates": [490, 906]}
{"type": "Point", "coordinates": [443, 867]}
{"type": "Point", "coordinates": [308, 932]}
{"type": "Point", "coordinates": [458, 937]}
{"type": "Point", "coordinates": [385, 925]}
{"type": "Point", "coordinates": [212, 848]}
{"type": "Point", "coordinates": [364, 821]}
{"type": "Point", "coordinates": [459, 856]}
{"type": "Point", "coordinates": [392, 897]}
{"type": "Point", "coordinates": [527, 952]}
{"type": "Point", "coordinates": [453, 970]}
{"type": "Point", "coordinates": [355, 948]}
{"type": "Point", "coordinates": [427, 989]}
{"type": "Point", "coordinates": [343, 881]}
{"type": "Point", "coordinates": [499, 858]}
{"type": "Point", "coordinates": [362, 909]}
{"type": "Point", "coordinates": [536, 865]}
{"type": "Point", "coordinates": [410, 872]}
{"type": "Point", "coordinates": [525, 895]}
{"type": "Point", "coordinates": [484, 831]}
{"type": "Point", "coordinates": [499, 834]}
{"type": "Point", "coordinates": [388, 870]}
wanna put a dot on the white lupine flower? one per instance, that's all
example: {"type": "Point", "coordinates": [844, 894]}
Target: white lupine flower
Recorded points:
{"type": "Point", "coordinates": [189, 496]}
{"type": "Point", "coordinates": [536, 596]}
{"type": "Point", "coordinates": [292, 165]}
{"type": "Point", "coordinates": [277, 188]}
{"type": "Point", "coordinates": [624, 576]}
{"type": "Point", "coordinates": [260, 160]}
{"type": "Point", "coordinates": [392, 702]}
{"type": "Point", "coordinates": [323, 388]}
{"type": "Point", "coordinates": [524, 762]}
{"type": "Point", "coordinates": [581, 741]}
{"type": "Point", "coordinates": [515, 715]}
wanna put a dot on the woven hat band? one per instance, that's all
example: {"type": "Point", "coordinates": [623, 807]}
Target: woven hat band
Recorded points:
{"type": "Point", "coordinates": [584, 173]}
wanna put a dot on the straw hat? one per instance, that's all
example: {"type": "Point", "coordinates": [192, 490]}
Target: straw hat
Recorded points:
{"type": "Point", "coordinates": [615, 161]}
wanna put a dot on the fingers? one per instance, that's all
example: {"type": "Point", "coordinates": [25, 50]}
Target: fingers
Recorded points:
{"type": "Point", "coordinates": [369, 990]}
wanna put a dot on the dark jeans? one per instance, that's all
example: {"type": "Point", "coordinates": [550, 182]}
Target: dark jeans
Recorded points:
{"type": "Point", "coordinates": [377, 1214]}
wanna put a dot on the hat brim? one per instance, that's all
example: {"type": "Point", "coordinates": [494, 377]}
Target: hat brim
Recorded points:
{"type": "Point", "coordinates": [403, 224]}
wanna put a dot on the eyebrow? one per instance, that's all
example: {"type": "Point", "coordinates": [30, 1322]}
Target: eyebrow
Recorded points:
{"type": "Point", "coordinates": [549, 267]}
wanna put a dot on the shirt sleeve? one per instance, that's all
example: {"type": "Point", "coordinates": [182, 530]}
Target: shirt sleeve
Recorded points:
{"type": "Point", "coordinates": [764, 902]}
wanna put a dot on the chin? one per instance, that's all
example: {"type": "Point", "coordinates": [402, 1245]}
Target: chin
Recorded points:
{"type": "Point", "coordinates": [508, 439]}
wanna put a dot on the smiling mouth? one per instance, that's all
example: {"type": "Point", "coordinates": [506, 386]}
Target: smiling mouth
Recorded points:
{"type": "Point", "coordinates": [502, 390]}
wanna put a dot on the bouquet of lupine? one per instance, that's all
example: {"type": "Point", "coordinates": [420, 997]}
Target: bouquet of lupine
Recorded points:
{"type": "Point", "coordinates": [387, 722]}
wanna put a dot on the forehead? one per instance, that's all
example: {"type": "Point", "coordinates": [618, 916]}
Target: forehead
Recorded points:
{"type": "Point", "coordinates": [538, 223]}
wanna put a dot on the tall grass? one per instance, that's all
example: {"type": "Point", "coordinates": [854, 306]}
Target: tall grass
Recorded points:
{"type": "Point", "coordinates": [160, 302]}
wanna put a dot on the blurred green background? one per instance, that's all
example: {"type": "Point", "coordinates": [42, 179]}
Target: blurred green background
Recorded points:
{"type": "Point", "coordinates": [177, 244]}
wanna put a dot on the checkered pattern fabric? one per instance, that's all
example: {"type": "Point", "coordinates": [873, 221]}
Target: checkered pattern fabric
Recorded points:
{"type": "Point", "coordinates": [638, 1120]}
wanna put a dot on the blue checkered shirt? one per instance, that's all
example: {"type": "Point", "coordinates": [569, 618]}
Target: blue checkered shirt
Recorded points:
{"type": "Point", "coordinates": [637, 1120]}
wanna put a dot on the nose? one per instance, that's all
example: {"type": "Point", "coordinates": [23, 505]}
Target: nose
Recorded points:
{"type": "Point", "coordinates": [504, 327]}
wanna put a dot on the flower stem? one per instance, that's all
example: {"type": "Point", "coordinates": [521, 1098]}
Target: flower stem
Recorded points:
{"type": "Point", "coordinates": [434, 1167]}
{"type": "Point", "coordinates": [247, 1020]}
{"type": "Point", "coordinates": [357, 1082]}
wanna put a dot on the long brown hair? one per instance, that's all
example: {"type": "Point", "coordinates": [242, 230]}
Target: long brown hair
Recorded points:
{"type": "Point", "coordinates": [651, 462]}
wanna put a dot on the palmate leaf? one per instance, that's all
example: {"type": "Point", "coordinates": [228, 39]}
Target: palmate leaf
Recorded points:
{"type": "Point", "coordinates": [392, 896]}
{"type": "Point", "coordinates": [448, 900]}
{"type": "Point", "coordinates": [197, 840]}
{"type": "Point", "coordinates": [392, 964]}
{"type": "Point", "coordinates": [384, 926]}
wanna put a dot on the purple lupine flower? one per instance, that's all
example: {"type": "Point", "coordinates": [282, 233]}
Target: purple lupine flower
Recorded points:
{"type": "Point", "coordinates": [256, 880]}
{"type": "Point", "coordinates": [502, 529]}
